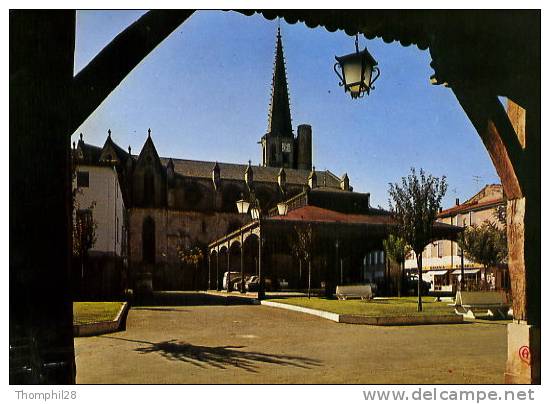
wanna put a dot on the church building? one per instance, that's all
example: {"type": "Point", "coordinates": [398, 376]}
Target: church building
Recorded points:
{"type": "Point", "coordinates": [175, 204]}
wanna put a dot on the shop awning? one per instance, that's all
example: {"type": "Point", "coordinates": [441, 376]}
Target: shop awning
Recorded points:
{"type": "Point", "coordinates": [466, 271]}
{"type": "Point", "coordinates": [438, 272]}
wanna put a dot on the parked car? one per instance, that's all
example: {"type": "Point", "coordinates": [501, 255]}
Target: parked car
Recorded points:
{"type": "Point", "coordinates": [252, 284]}
{"type": "Point", "coordinates": [412, 286]}
{"type": "Point", "coordinates": [234, 276]}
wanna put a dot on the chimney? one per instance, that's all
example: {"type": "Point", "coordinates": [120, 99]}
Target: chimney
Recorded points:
{"type": "Point", "coordinates": [457, 201]}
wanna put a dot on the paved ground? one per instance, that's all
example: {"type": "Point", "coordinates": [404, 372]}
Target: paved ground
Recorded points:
{"type": "Point", "coordinates": [218, 343]}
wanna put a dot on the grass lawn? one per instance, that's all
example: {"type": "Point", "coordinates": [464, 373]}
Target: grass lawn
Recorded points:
{"type": "Point", "coordinates": [91, 312]}
{"type": "Point", "coordinates": [404, 306]}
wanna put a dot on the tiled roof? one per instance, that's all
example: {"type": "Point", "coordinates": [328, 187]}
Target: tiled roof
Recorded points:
{"type": "Point", "coordinates": [315, 214]}
{"type": "Point", "coordinates": [90, 153]}
{"type": "Point", "coordinates": [319, 215]}
{"type": "Point", "coordinates": [229, 171]}
{"type": "Point", "coordinates": [470, 206]}
{"type": "Point", "coordinates": [203, 169]}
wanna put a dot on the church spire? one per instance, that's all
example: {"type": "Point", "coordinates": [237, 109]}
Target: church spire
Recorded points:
{"type": "Point", "coordinates": [279, 110]}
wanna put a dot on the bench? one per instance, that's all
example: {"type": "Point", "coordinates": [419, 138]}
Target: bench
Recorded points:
{"type": "Point", "coordinates": [472, 304]}
{"type": "Point", "coordinates": [344, 292]}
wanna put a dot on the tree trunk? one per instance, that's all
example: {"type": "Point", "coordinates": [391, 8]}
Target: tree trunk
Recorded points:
{"type": "Point", "coordinates": [419, 263]}
{"type": "Point", "coordinates": [399, 279]}
{"type": "Point", "coordinates": [300, 282]}
{"type": "Point", "coordinates": [309, 279]}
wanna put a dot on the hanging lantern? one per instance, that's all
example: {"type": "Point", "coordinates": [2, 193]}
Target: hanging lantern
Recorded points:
{"type": "Point", "coordinates": [242, 206]}
{"type": "Point", "coordinates": [282, 208]}
{"type": "Point", "coordinates": [358, 71]}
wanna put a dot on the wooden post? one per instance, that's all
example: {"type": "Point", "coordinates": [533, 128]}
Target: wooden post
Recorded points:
{"type": "Point", "coordinates": [41, 74]}
{"type": "Point", "coordinates": [513, 142]}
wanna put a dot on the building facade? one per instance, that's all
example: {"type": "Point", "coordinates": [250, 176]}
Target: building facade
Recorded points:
{"type": "Point", "coordinates": [98, 201]}
{"type": "Point", "coordinates": [175, 204]}
{"type": "Point", "coordinates": [442, 259]}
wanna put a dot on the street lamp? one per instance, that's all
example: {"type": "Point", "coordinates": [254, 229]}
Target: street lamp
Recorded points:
{"type": "Point", "coordinates": [256, 213]}
{"type": "Point", "coordinates": [282, 208]}
{"type": "Point", "coordinates": [356, 71]}
{"type": "Point", "coordinates": [242, 206]}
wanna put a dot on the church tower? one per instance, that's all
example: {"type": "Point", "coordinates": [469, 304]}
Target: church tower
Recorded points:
{"type": "Point", "coordinates": [278, 143]}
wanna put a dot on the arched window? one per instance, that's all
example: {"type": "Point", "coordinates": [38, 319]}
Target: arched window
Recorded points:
{"type": "Point", "coordinates": [148, 239]}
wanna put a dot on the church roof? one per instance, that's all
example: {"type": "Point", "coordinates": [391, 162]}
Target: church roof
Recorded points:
{"type": "Point", "coordinates": [230, 171]}
{"type": "Point", "coordinates": [88, 153]}
{"type": "Point", "coordinates": [311, 213]}
{"type": "Point", "coordinates": [279, 120]}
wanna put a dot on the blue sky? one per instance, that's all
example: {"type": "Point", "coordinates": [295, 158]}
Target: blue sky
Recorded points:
{"type": "Point", "coordinates": [204, 92]}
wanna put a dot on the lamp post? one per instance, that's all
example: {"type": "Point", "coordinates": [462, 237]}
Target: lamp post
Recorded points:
{"type": "Point", "coordinates": [242, 208]}
{"type": "Point", "coordinates": [253, 206]}
{"type": "Point", "coordinates": [356, 71]}
{"type": "Point", "coordinates": [282, 208]}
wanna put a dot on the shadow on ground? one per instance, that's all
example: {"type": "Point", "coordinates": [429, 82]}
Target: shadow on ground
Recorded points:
{"type": "Point", "coordinates": [140, 308]}
{"type": "Point", "coordinates": [179, 298]}
{"type": "Point", "coordinates": [221, 357]}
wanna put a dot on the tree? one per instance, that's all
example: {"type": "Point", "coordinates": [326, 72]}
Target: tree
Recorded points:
{"type": "Point", "coordinates": [303, 248]}
{"type": "Point", "coordinates": [485, 244]}
{"type": "Point", "coordinates": [396, 249]}
{"type": "Point", "coordinates": [83, 226]}
{"type": "Point", "coordinates": [192, 256]}
{"type": "Point", "coordinates": [414, 205]}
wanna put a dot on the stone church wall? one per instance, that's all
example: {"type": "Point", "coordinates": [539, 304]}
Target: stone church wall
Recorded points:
{"type": "Point", "coordinates": [172, 228]}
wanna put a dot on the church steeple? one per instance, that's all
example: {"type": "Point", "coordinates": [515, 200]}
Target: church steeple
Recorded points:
{"type": "Point", "coordinates": [279, 121]}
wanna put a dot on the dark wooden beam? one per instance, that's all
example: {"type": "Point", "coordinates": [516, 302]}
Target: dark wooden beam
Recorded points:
{"type": "Point", "coordinates": [105, 72]}
{"type": "Point", "coordinates": [497, 133]}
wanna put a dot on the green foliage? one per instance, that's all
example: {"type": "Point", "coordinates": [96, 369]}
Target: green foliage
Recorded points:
{"type": "Point", "coordinates": [190, 256]}
{"type": "Point", "coordinates": [84, 230]}
{"type": "Point", "coordinates": [83, 224]}
{"type": "Point", "coordinates": [485, 244]}
{"type": "Point", "coordinates": [396, 248]}
{"type": "Point", "coordinates": [500, 214]}
{"type": "Point", "coordinates": [415, 205]}
{"type": "Point", "coordinates": [302, 248]}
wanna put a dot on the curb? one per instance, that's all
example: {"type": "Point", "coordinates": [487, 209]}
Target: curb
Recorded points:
{"type": "Point", "coordinates": [101, 327]}
{"type": "Point", "coordinates": [379, 321]}
{"type": "Point", "coordinates": [319, 313]}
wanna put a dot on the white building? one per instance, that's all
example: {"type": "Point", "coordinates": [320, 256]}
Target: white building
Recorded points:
{"type": "Point", "coordinates": [441, 260]}
{"type": "Point", "coordinates": [98, 186]}
{"type": "Point", "coordinates": [99, 195]}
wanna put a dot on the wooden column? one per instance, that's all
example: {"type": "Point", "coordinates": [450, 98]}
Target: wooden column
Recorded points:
{"type": "Point", "coordinates": [41, 73]}
{"type": "Point", "coordinates": [513, 142]}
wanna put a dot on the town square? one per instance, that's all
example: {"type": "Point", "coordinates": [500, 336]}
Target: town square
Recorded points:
{"type": "Point", "coordinates": [339, 197]}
